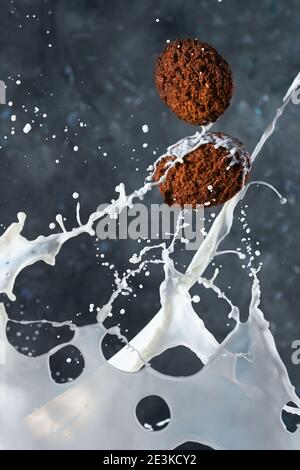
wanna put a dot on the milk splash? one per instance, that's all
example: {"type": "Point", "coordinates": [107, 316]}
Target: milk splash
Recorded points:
{"type": "Point", "coordinates": [234, 402]}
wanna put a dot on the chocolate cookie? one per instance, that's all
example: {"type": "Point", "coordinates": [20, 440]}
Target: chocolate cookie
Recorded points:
{"type": "Point", "coordinates": [210, 175]}
{"type": "Point", "coordinates": [194, 81]}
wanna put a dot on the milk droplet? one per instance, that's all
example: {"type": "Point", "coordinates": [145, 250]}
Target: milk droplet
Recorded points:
{"type": "Point", "coordinates": [145, 128]}
{"type": "Point", "coordinates": [13, 117]}
{"type": "Point", "coordinates": [52, 226]}
{"type": "Point", "coordinates": [283, 200]}
{"type": "Point", "coordinates": [75, 195]}
{"type": "Point", "coordinates": [27, 128]}
{"type": "Point", "coordinates": [75, 148]}
{"type": "Point", "coordinates": [196, 299]}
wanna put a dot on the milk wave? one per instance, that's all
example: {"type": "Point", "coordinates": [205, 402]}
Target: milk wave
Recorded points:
{"type": "Point", "coordinates": [234, 402]}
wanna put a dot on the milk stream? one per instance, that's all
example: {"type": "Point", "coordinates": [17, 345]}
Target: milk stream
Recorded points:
{"type": "Point", "coordinates": [234, 402]}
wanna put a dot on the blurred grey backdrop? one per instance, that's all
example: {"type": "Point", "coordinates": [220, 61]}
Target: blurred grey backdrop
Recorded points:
{"type": "Point", "coordinates": [87, 65]}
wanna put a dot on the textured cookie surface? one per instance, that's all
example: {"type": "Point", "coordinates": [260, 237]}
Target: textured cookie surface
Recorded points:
{"type": "Point", "coordinates": [194, 81]}
{"type": "Point", "coordinates": [210, 175]}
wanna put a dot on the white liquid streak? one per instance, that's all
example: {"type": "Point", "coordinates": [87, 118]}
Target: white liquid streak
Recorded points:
{"type": "Point", "coordinates": [147, 339]}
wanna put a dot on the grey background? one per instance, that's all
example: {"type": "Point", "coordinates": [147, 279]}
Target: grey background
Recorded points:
{"type": "Point", "coordinates": [100, 70]}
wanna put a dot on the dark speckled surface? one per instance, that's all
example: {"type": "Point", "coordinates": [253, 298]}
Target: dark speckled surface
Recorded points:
{"type": "Point", "coordinates": [99, 71]}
